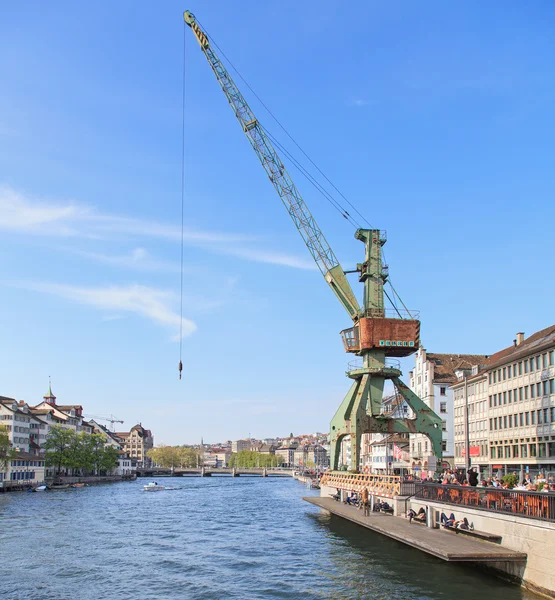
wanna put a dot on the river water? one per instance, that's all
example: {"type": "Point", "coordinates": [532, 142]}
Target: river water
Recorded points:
{"type": "Point", "coordinates": [212, 538]}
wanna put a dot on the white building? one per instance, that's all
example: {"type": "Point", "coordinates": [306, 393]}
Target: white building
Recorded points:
{"type": "Point", "coordinates": [430, 380]}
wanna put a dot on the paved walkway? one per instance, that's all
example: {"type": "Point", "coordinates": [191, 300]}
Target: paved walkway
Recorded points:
{"type": "Point", "coordinates": [444, 544]}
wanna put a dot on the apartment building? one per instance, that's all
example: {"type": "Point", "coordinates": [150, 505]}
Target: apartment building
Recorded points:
{"type": "Point", "coordinates": [430, 380]}
{"type": "Point", "coordinates": [511, 408]}
{"type": "Point", "coordinates": [521, 402]}
{"type": "Point", "coordinates": [470, 392]}
{"type": "Point", "coordinates": [136, 443]}
{"type": "Point", "coordinates": [240, 445]}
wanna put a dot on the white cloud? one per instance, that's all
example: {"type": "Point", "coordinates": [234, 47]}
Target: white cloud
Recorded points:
{"type": "Point", "coordinates": [138, 259]}
{"type": "Point", "coordinates": [358, 102]}
{"type": "Point", "coordinates": [150, 303]}
{"type": "Point", "coordinates": [22, 214]}
{"type": "Point", "coordinates": [275, 258]}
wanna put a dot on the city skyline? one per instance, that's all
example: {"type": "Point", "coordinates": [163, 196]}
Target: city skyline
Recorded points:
{"type": "Point", "coordinates": [442, 140]}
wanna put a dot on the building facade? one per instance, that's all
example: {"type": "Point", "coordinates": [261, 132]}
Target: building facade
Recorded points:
{"type": "Point", "coordinates": [511, 409]}
{"type": "Point", "coordinates": [136, 443]}
{"type": "Point", "coordinates": [430, 380]}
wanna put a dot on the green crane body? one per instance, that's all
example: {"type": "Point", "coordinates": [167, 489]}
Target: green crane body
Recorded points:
{"type": "Point", "coordinates": [374, 336]}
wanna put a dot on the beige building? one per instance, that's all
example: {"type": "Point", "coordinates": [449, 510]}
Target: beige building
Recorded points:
{"type": "Point", "coordinates": [521, 404]}
{"type": "Point", "coordinates": [471, 390]}
{"type": "Point", "coordinates": [136, 443]}
{"type": "Point", "coordinates": [240, 445]}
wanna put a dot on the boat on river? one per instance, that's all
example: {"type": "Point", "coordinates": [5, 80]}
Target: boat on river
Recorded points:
{"type": "Point", "coordinates": [153, 487]}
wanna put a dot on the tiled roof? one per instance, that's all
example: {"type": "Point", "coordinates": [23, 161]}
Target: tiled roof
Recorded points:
{"type": "Point", "coordinates": [535, 343]}
{"type": "Point", "coordinates": [445, 365]}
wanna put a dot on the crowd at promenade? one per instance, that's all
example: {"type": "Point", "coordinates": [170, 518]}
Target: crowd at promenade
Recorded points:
{"type": "Point", "coordinates": [509, 482]}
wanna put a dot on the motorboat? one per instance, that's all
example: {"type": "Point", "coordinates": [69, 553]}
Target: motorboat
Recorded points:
{"type": "Point", "coordinates": [153, 486]}
{"type": "Point", "coordinates": [40, 488]}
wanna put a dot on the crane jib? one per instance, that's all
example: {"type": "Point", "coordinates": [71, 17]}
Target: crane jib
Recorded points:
{"type": "Point", "coordinates": [299, 212]}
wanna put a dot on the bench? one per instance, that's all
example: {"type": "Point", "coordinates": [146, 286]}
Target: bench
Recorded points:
{"type": "Point", "coordinates": [482, 535]}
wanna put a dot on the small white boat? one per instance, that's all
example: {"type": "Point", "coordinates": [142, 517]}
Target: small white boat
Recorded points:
{"type": "Point", "coordinates": [41, 488]}
{"type": "Point", "coordinates": [153, 487]}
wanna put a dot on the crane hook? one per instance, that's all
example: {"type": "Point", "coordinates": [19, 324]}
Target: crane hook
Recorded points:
{"type": "Point", "coordinates": [180, 368]}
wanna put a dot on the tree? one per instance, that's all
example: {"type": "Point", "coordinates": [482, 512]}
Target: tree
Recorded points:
{"type": "Point", "coordinates": [6, 450]}
{"type": "Point", "coordinates": [60, 447]}
{"type": "Point", "coordinates": [109, 459]}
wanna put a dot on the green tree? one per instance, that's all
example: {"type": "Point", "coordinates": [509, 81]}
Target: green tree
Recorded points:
{"type": "Point", "coordinates": [60, 448]}
{"type": "Point", "coordinates": [109, 459]}
{"type": "Point", "coordinates": [6, 450]}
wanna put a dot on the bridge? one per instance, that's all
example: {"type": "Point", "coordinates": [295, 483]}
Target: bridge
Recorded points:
{"type": "Point", "coordinates": [212, 471]}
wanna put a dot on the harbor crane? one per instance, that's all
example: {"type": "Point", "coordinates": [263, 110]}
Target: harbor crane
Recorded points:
{"type": "Point", "coordinates": [110, 419]}
{"type": "Point", "coordinates": [378, 336]}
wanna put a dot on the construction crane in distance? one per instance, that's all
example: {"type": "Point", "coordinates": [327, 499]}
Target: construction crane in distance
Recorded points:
{"type": "Point", "coordinates": [376, 335]}
{"type": "Point", "coordinates": [110, 419]}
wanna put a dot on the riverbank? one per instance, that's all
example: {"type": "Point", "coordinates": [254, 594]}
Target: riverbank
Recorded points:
{"type": "Point", "coordinates": [21, 486]}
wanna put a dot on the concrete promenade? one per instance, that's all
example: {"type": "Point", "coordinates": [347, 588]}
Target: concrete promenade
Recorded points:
{"type": "Point", "coordinates": [443, 544]}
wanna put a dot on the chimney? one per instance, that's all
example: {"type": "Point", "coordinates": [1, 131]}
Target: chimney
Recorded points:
{"type": "Point", "coordinates": [519, 338]}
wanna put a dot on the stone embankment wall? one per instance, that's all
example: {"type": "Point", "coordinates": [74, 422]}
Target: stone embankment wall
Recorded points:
{"type": "Point", "coordinates": [535, 537]}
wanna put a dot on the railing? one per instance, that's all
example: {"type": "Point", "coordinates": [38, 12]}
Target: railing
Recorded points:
{"type": "Point", "coordinates": [532, 505]}
{"type": "Point", "coordinates": [377, 485]}
{"type": "Point", "coordinates": [392, 313]}
{"type": "Point", "coordinates": [358, 363]}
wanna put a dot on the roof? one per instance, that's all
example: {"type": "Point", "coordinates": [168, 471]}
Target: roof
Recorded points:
{"type": "Point", "coordinates": [445, 365]}
{"type": "Point", "coordinates": [27, 456]}
{"type": "Point", "coordinates": [49, 394]}
{"type": "Point", "coordinates": [68, 406]}
{"type": "Point", "coordinates": [395, 438]}
{"type": "Point", "coordinates": [535, 343]}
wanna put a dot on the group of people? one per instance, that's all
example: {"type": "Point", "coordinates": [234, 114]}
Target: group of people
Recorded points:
{"type": "Point", "coordinates": [449, 522]}
{"type": "Point", "coordinates": [471, 478]}
{"type": "Point", "coordinates": [362, 501]}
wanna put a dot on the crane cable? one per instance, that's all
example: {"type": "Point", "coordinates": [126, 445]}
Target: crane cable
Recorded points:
{"type": "Point", "coordinates": [343, 210]}
{"type": "Point", "coordinates": [180, 367]}
{"type": "Point", "coordinates": [319, 187]}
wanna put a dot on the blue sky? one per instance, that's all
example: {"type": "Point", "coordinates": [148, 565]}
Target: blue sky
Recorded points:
{"type": "Point", "coordinates": [434, 119]}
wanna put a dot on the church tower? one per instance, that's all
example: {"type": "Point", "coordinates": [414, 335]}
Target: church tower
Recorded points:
{"type": "Point", "coordinates": [50, 398]}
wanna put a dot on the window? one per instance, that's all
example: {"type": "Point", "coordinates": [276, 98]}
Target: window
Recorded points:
{"type": "Point", "coordinates": [533, 450]}
{"type": "Point", "coordinates": [532, 391]}
{"type": "Point", "coordinates": [552, 358]}
{"type": "Point", "coordinates": [504, 397]}
{"type": "Point", "coordinates": [521, 419]}
{"type": "Point", "coordinates": [527, 418]}
{"type": "Point", "coordinates": [539, 389]}
{"type": "Point", "coordinates": [509, 368]}
{"type": "Point", "coordinates": [533, 417]}
{"type": "Point", "coordinates": [504, 373]}
{"type": "Point", "coordinates": [532, 365]}
{"type": "Point", "coordinates": [510, 421]}
{"type": "Point", "coordinates": [544, 361]}
{"type": "Point", "coordinates": [510, 396]}
{"type": "Point", "coordinates": [505, 422]}
{"type": "Point", "coordinates": [442, 391]}
{"type": "Point", "coordinates": [490, 402]}
{"type": "Point", "coordinates": [540, 417]}
{"type": "Point", "coordinates": [524, 450]}
{"type": "Point", "coordinates": [443, 425]}
{"type": "Point", "coordinates": [520, 394]}
{"type": "Point", "coordinates": [552, 386]}
{"type": "Point", "coordinates": [545, 390]}
{"type": "Point", "coordinates": [526, 392]}
{"type": "Point", "coordinates": [526, 371]}
{"type": "Point", "coordinates": [444, 446]}
{"type": "Point", "coordinates": [443, 407]}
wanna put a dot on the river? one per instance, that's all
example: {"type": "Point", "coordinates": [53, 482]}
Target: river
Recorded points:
{"type": "Point", "coordinates": [212, 538]}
